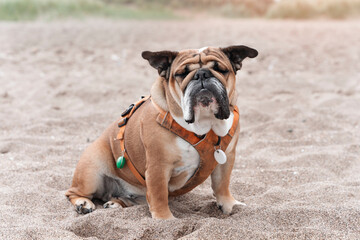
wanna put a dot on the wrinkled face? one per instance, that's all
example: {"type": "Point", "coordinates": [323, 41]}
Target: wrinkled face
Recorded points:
{"type": "Point", "coordinates": [202, 79]}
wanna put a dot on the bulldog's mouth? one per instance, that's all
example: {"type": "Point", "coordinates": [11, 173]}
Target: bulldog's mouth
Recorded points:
{"type": "Point", "coordinates": [209, 93]}
{"type": "Point", "coordinates": [204, 98]}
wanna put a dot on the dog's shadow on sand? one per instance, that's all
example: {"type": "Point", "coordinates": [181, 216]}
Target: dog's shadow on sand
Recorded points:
{"type": "Point", "coordinates": [185, 206]}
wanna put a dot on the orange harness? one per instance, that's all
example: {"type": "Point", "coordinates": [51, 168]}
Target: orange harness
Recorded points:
{"type": "Point", "coordinates": [206, 146]}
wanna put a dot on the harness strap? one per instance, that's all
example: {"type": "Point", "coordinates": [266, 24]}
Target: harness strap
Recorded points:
{"type": "Point", "coordinates": [120, 136]}
{"type": "Point", "coordinates": [130, 164]}
{"type": "Point", "coordinates": [205, 146]}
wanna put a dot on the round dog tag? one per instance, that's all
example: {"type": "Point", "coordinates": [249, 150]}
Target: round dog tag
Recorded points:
{"type": "Point", "coordinates": [220, 156]}
{"type": "Point", "coordinates": [120, 162]}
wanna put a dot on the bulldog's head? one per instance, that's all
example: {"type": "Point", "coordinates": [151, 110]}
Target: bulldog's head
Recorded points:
{"type": "Point", "coordinates": [196, 81]}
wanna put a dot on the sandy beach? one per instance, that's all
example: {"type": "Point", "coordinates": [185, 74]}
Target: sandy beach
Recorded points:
{"type": "Point", "coordinates": [298, 158]}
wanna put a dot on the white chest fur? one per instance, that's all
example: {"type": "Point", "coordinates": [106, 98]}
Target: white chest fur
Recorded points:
{"type": "Point", "coordinates": [189, 162]}
{"type": "Point", "coordinates": [205, 121]}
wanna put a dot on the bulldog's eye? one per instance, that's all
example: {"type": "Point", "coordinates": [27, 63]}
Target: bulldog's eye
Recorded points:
{"type": "Point", "coordinates": [183, 73]}
{"type": "Point", "coordinates": [220, 69]}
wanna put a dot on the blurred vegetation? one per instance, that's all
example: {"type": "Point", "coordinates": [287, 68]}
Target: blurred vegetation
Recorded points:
{"type": "Point", "coordinates": [15, 10]}
{"type": "Point", "coordinates": [160, 9]}
{"type": "Point", "coordinates": [314, 9]}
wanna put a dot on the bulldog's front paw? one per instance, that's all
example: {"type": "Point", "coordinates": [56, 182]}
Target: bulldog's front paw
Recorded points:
{"type": "Point", "coordinates": [84, 206]}
{"type": "Point", "coordinates": [226, 204]}
{"type": "Point", "coordinates": [163, 216]}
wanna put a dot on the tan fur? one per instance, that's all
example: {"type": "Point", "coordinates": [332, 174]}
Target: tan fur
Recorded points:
{"type": "Point", "coordinates": [152, 148]}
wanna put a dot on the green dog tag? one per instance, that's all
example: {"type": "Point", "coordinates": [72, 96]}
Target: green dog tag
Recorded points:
{"type": "Point", "coordinates": [120, 162]}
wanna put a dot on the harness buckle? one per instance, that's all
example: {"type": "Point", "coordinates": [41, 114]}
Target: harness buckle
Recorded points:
{"type": "Point", "coordinates": [123, 122]}
{"type": "Point", "coordinates": [128, 110]}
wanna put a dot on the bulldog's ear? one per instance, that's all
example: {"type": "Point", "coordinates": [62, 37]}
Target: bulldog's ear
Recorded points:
{"type": "Point", "coordinates": [161, 61]}
{"type": "Point", "coordinates": [238, 53]}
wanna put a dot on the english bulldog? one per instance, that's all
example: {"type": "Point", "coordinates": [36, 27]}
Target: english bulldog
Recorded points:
{"type": "Point", "coordinates": [186, 131]}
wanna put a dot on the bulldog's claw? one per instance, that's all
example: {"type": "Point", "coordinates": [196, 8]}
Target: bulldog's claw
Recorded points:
{"type": "Point", "coordinates": [84, 206]}
{"type": "Point", "coordinates": [82, 210]}
{"type": "Point", "coordinates": [111, 204]}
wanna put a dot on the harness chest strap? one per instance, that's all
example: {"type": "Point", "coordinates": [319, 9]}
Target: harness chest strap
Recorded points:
{"type": "Point", "coordinates": [205, 146]}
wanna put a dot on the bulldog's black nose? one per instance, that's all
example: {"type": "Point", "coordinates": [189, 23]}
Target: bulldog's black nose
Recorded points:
{"type": "Point", "coordinates": [202, 74]}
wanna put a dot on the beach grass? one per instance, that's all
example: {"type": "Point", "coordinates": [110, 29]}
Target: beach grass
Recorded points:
{"type": "Point", "coordinates": [16, 10]}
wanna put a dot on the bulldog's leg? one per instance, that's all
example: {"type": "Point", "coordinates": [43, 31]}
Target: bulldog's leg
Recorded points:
{"type": "Point", "coordinates": [84, 185]}
{"type": "Point", "coordinates": [88, 178]}
{"type": "Point", "coordinates": [220, 181]}
{"type": "Point", "coordinates": [157, 178]}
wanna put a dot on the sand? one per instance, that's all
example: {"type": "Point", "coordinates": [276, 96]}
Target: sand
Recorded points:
{"type": "Point", "coordinates": [298, 158]}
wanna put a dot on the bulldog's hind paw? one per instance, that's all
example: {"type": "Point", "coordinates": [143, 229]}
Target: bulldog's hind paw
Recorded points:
{"type": "Point", "coordinates": [84, 206]}
{"type": "Point", "coordinates": [115, 203]}
{"type": "Point", "coordinates": [111, 204]}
